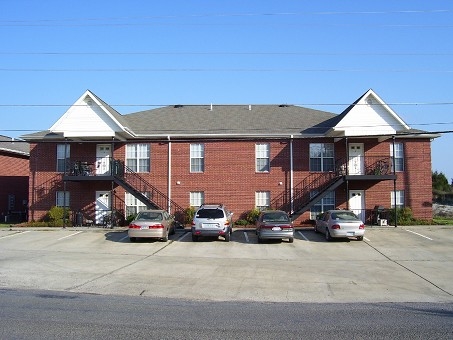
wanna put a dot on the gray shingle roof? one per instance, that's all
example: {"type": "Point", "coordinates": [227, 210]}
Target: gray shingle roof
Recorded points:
{"type": "Point", "coordinates": [231, 120]}
{"type": "Point", "coordinates": [14, 146]}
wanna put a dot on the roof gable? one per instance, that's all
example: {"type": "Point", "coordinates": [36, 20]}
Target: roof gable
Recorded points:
{"type": "Point", "coordinates": [368, 116]}
{"type": "Point", "coordinates": [89, 117]}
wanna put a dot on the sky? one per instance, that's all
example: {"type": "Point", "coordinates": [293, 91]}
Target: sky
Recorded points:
{"type": "Point", "coordinates": [140, 54]}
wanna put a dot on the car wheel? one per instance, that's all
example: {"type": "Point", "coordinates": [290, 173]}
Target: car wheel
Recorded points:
{"type": "Point", "coordinates": [132, 239]}
{"type": "Point", "coordinates": [328, 236]}
{"type": "Point", "coordinates": [194, 238]}
{"type": "Point", "coordinates": [165, 238]}
{"type": "Point", "coordinates": [359, 238]}
{"type": "Point", "coordinates": [227, 237]}
{"type": "Point", "coordinates": [291, 239]}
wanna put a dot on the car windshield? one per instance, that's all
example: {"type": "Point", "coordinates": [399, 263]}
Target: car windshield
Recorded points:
{"type": "Point", "coordinates": [344, 215]}
{"type": "Point", "coordinates": [275, 217]}
{"type": "Point", "coordinates": [210, 213]}
{"type": "Point", "coordinates": [147, 215]}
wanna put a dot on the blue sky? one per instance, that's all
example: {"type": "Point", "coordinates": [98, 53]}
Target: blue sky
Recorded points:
{"type": "Point", "coordinates": [141, 54]}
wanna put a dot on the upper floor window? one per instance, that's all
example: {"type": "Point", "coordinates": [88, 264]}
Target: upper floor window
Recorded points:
{"type": "Point", "coordinates": [63, 153]}
{"type": "Point", "coordinates": [262, 156]}
{"type": "Point", "coordinates": [196, 157]}
{"type": "Point", "coordinates": [138, 157]}
{"type": "Point", "coordinates": [321, 157]}
{"type": "Point", "coordinates": [262, 200]}
{"type": "Point", "coordinates": [399, 156]}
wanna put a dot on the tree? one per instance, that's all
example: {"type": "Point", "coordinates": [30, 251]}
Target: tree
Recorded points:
{"type": "Point", "coordinates": [440, 182]}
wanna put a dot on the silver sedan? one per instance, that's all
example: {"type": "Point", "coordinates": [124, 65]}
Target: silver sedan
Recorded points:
{"type": "Point", "coordinates": [274, 224]}
{"type": "Point", "coordinates": [152, 224]}
{"type": "Point", "coordinates": [340, 224]}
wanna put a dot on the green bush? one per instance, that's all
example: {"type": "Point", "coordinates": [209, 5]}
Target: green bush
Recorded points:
{"type": "Point", "coordinates": [252, 216]}
{"type": "Point", "coordinates": [404, 216]}
{"type": "Point", "coordinates": [241, 222]}
{"type": "Point", "coordinates": [58, 216]}
{"type": "Point", "coordinates": [189, 213]}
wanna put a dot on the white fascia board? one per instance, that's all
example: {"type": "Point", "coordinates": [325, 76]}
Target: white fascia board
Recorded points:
{"type": "Point", "coordinates": [388, 108]}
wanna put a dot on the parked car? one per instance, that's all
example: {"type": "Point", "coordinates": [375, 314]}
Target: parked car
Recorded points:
{"type": "Point", "coordinates": [152, 224]}
{"type": "Point", "coordinates": [274, 224]}
{"type": "Point", "coordinates": [212, 220]}
{"type": "Point", "coordinates": [340, 223]}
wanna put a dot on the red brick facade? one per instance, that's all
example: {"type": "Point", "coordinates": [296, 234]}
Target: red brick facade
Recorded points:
{"type": "Point", "coordinates": [14, 173]}
{"type": "Point", "coordinates": [230, 176]}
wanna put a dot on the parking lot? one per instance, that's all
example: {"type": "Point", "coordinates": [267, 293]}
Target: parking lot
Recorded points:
{"type": "Point", "coordinates": [404, 264]}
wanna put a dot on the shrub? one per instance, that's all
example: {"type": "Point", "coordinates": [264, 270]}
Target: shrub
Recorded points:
{"type": "Point", "coordinates": [241, 222]}
{"type": "Point", "coordinates": [404, 216]}
{"type": "Point", "coordinates": [189, 213]}
{"type": "Point", "coordinates": [252, 216]}
{"type": "Point", "coordinates": [57, 216]}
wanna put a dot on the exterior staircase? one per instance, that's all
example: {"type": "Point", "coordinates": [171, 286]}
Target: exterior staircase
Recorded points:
{"type": "Point", "coordinates": [144, 191]}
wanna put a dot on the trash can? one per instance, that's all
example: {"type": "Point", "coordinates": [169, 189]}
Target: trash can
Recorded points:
{"type": "Point", "coordinates": [79, 218]}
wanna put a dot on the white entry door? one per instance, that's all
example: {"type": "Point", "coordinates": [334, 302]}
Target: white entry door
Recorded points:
{"type": "Point", "coordinates": [102, 205]}
{"type": "Point", "coordinates": [357, 203]}
{"type": "Point", "coordinates": [103, 155]}
{"type": "Point", "coordinates": [356, 160]}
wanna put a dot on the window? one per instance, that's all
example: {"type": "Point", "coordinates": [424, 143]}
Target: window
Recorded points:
{"type": "Point", "coordinates": [399, 156]}
{"type": "Point", "coordinates": [262, 199]}
{"type": "Point", "coordinates": [133, 205]}
{"type": "Point", "coordinates": [196, 157]}
{"type": "Point", "coordinates": [326, 203]}
{"type": "Point", "coordinates": [138, 157]}
{"type": "Point", "coordinates": [321, 157]}
{"type": "Point", "coordinates": [61, 157]}
{"type": "Point", "coordinates": [62, 199]}
{"type": "Point", "coordinates": [196, 198]}
{"type": "Point", "coordinates": [399, 199]}
{"type": "Point", "coordinates": [262, 155]}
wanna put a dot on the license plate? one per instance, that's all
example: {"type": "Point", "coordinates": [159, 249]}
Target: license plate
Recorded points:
{"type": "Point", "coordinates": [276, 228]}
{"type": "Point", "coordinates": [351, 233]}
{"type": "Point", "coordinates": [210, 225]}
{"type": "Point", "coordinates": [144, 227]}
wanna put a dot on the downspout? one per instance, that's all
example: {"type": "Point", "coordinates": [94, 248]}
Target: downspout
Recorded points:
{"type": "Point", "coordinates": [394, 182]}
{"type": "Point", "coordinates": [169, 176]}
{"type": "Point", "coordinates": [64, 181]}
{"type": "Point", "coordinates": [291, 173]}
{"type": "Point", "coordinates": [347, 172]}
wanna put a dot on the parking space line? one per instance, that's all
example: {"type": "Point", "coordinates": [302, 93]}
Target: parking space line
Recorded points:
{"type": "Point", "coordinates": [62, 238]}
{"type": "Point", "coordinates": [15, 234]}
{"type": "Point", "coordinates": [125, 237]}
{"type": "Point", "coordinates": [366, 239]}
{"type": "Point", "coordinates": [300, 233]}
{"type": "Point", "coordinates": [183, 236]}
{"type": "Point", "coordinates": [413, 232]}
{"type": "Point", "coordinates": [246, 237]}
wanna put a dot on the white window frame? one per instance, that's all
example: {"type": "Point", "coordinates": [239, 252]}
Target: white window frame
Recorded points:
{"type": "Point", "coordinates": [197, 158]}
{"type": "Point", "coordinates": [399, 156]}
{"type": "Point", "coordinates": [138, 157]}
{"type": "Point", "coordinates": [399, 199]}
{"type": "Point", "coordinates": [262, 200]}
{"type": "Point", "coordinates": [62, 199]}
{"type": "Point", "coordinates": [133, 205]}
{"type": "Point", "coordinates": [262, 157]}
{"type": "Point", "coordinates": [324, 204]}
{"type": "Point", "coordinates": [322, 152]}
{"type": "Point", "coordinates": [61, 158]}
{"type": "Point", "coordinates": [196, 198]}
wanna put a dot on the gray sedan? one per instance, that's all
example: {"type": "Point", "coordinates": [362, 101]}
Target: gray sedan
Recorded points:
{"type": "Point", "coordinates": [340, 224]}
{"type": "Point", "coordinates": [274, 224]}
{"type": "Point", "coordinates": [152, 224]}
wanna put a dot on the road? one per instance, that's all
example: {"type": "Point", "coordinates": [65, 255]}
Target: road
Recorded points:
{"type": "Point", "coordinates": [60, 315]}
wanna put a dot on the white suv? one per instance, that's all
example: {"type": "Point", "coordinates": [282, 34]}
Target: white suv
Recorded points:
{"type": "Point", "coordinates": [212, 220]}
